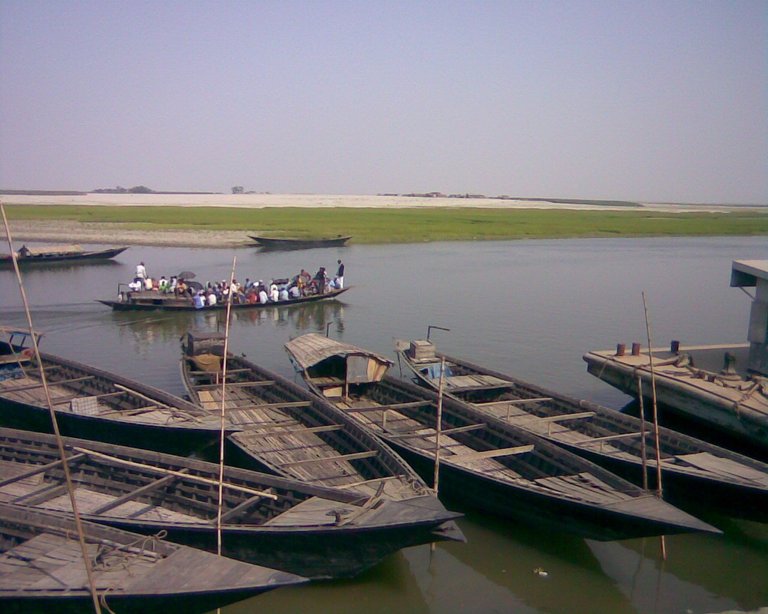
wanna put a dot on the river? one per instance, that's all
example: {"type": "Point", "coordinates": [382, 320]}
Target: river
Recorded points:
{"type": "Point", "coordinates": [527, 308]}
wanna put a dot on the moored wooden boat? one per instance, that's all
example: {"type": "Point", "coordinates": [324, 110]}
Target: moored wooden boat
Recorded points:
{"type": "Point", "coordinates": [485, 462]}
{"type": "Point", "coordinates": [311, 531]}
{"type": "Point", "coordinates": [42, 569]}
{"type": "Point", "coordinates": [285, 430]}
{"type": "Point", "coordinates": [276, 243]}
{"type": "Point", "coordinates": [152, 301]}
{"type": "Point", "coordinates": [691, 469]}
{"type": "Point", "coordinates": [53, 254]}
{"type": "Point", "coordinates": [95, 404]}
{"type": "Point", "coordinates": [721, 388]}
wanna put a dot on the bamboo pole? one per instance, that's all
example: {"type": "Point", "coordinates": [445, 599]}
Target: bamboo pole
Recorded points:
{"type": "Point", "coordinates": [223, 408]}
{"type": "Point", "coordinates": [54, 422]}
{"type": "Point", "coordinates": [436, 481]}
{"type": "Point", "coordinates": [659, 488]}
{"type": "Point", "coordinates": [643, 451]}
{"type": "Point", "coordinates": [186, 476]}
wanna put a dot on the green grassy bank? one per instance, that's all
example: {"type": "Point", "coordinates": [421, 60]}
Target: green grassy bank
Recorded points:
{"type": "Point", "coordinates": [410, 225]}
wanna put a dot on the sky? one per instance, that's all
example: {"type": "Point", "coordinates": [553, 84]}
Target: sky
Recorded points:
{"type": "Point", "coordinates": [653, 100]}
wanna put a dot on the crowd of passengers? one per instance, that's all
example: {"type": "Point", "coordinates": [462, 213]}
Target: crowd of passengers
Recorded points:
{"type": "Point", "coordinates": [249, 292]}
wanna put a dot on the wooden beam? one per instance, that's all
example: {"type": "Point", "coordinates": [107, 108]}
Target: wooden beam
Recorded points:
{"type": "Point", "coordinates": [248, 384]}
{"type": "Point", "coordinates": [481, 387]}
{"type": "Point", "coordinates": [458, 429]}
{"type": "Point", "coordinates": [326, 459]}
{"type": "Point", "coordinates": [239, 508]}
{"type": "Point", "coordinates": [557, 418]}
{"type": "Point", "coordinates": [292, 431]}
{"type": "Point", "coordinates": [392, 406]}
{"type": "Point", "coordinates": [182, 474]}
{"type": "Point", "coordinates": [39, 469]}
{"type": "Point", "coordinates": [51, 491]}
{"type": "Point", "coordinates": [137, 493]}
{"type": "Point", "coordinates": [592, 440]}
{"type": "Point", "coordinates": [514, 401]}
{"type": "Point", "coordinates": [491, 453]}
{"type": "Point", "coordinates": [50, 383]}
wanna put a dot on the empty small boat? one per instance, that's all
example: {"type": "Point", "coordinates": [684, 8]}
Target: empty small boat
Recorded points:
{"type": "Point", "coordinates": [484, 462]}
{"type": "Point", "coordinates": [692, 470]}
{"type": "Point", "coordinates": [42, 569]}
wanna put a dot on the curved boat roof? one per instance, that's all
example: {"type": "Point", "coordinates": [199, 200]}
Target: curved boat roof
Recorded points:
{"type": "Point", "coordinates": [312, 349]}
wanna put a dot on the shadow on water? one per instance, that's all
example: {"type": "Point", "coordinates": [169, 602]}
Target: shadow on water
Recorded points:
{"type": "Point", "coordinates": [546, 571]}
{"type": "Point", "coordinates": [389, 587]}
{"type": "Point", "coordinates": [696, 577]}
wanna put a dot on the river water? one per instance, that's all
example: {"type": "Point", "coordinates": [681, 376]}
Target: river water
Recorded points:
{"type": "Point", "coordinates": [528, 308]}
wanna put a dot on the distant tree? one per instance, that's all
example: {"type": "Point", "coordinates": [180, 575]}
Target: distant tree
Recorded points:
{"type": "Point", "coordinates": [140, 189]}
{"type": "Point", "coordinates": [238, 189]}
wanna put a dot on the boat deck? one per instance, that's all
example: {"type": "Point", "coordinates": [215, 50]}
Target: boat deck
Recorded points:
{"type": "Point", "coordinates": [271, 433]}
{"type": "Point", "coordinates": [691, 383]}
{"type": "Point", "coordinates": [397, 425]}
{"type": "Point", "coordinates": [65, 397]}
{"type": "Point", "coordinates": [34, 490]}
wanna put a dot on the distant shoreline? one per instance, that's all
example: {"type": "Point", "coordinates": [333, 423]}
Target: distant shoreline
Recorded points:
{"type": "Point", "coordinates": [257, 201]}
{"type": "Point", "coordinates": [227, 220]}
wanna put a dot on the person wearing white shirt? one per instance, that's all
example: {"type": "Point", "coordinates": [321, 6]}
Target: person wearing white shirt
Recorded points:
{"type": "Point", "coordinates": [141, 271]}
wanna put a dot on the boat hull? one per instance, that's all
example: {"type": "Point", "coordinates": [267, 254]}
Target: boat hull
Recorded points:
{"type": "Point", "coordinates": [694, 399]}
{"type": "Point", "coordinates": [162, 303]}
{"type": "Point", "coordinates": [72, 258]}
{"type": "Point", "coordinates": [271, 243]}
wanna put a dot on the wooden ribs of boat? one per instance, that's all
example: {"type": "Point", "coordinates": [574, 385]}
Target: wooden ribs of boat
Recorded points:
{"type": "Point", "coordinates": [485, 462]}
{"type": "Point", "coordinates": [41, 565]}
{"type": "Point", "coordinates": [692, 470]}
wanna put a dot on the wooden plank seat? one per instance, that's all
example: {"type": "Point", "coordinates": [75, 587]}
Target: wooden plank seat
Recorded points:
{"type": "Point", "coordinates": [451, 431]}
{"type": "Point", "coordinates": [39, 469]}
{"type": "Point", "coordinates": [137, 492]}
{"type": "Point", "coordinates": [513, 401]}
{"type": "Point", "coordinates": [339, 457]}
{"type": "Point", "coordinates": [523, 418]}
{"type": "Point", "coordinates": [493, 453]}
{"type": "Point", "coordinates": [390, 407]}
{"type": "Point", "coordinates": [39, 384]}
{"type": "Point", "coordinates": [248, 384]}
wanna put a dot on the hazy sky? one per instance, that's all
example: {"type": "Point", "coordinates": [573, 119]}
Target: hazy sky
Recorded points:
{"type": "Point", "coordinates": [638, 100]}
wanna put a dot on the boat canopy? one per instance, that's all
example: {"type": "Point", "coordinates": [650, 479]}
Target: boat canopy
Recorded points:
{"type": "Point", "coordinates": [314, 352]}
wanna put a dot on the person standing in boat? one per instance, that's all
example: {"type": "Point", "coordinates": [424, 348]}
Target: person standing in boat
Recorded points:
{"type": "Point", "coordinates": [141, 271]}
{"type": "Point", "coordinates": [340, 275]}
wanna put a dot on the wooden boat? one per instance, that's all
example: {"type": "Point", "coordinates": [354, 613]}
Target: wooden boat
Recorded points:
{"type": "Point", "coordinates": [52, 254]}
{"type": "Point", "coordinates": [484, 462]}
{"type": "Point", "coordinates": [691, 469]}
{"type": "Point", "coordinates": [287, 431]}
{"type": "Point", "coordinates": [94, 404]}
{"type": "Point", "coordinates": [312, 531]}
{"type": "Point", "coordinates": [152, 300]}
{"type": "Point", "coordinates": [42, 569]}
{"type": "Point", "coordinates": [722, 388]}
{"type": "Point", "coordinates": [275, 243]}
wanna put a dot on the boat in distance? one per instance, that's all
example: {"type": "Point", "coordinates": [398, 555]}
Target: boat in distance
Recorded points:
{"type": "Point", "coordinates": [151, 300]}
{"type": "Point", "coordinates": [312, 531]}
{"type": "Point", "coordinates": [53, 254]}
{"type": "Point", "coordinates": [284, 429]}
{"type": "Point", "coordinates": [92, 403]}
{"type": "Point", "coordinates": [692, 469]}
{"type": "Point", "coordinates": [42, 569]}
{"type": "Point", "coordinates": [484, 462]}
{"type": "Point", "coordinates": [276, 243]}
